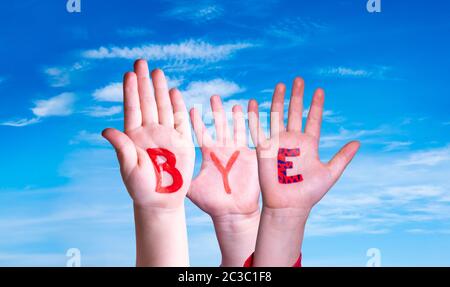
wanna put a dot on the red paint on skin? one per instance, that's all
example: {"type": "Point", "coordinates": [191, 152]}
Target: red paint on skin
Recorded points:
{"type": "Point", "coordinates": [167, 166]}
{"type": "Point", "coordinates": [225, 170]}
{"type": "Point", "coordinates": [283, 165]}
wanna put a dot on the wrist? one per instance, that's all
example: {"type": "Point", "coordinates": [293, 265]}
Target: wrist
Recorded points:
{"type": "Point", "coordinates": [236, 234]}
{"type": "Point", "coordinates": [280, 236]}
{"type": "Point", "coordinates": [159, 212]}
{"type": "Point", "coordinates": [236, 223]}
{"type": "Point", "coordinates": [285, 218]}
{"type": "Point", "coordinates": [154, 224]}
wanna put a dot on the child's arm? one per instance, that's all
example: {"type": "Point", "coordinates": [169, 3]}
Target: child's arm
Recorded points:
{"type": "Point", "coordinates": [156, 157]}
{"type": "Point", "coordinates": [292, 177]}
{"type": "Point", "coordinates": [227, 186]}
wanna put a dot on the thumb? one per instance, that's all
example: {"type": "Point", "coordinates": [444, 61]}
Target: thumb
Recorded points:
{"type": "Point", "coordinates": [124, 146]}
{"type": "Point", "coordinates": [340, 160]}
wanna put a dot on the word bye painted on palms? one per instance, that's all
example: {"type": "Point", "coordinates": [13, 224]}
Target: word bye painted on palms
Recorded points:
{"type": "Point", "coordinates": [225, 170]}
{"type": "Point", "coordinates": [283, 165]}
{"type": "Point", "coordinates": [167, 166]}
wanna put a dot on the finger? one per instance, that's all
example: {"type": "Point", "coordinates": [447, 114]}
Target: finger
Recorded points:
{"type": "Point", "coordinates": [200, 130]}
{"type": "Point", "coordinates": [296, 106]}
{"type": "Point", "coordinates": [240, 138]}
{"type": "Point", "coordinates": [165, 113]}
{"type": "Point", "coordinates": [146, 95]}
{"type": "Point", "coordinates": [256, 131]}
{"type": "Point", "coordinates": [340, 161]}
{"type": "Point", "coordinates": [314, 120]}
{"type": "Point", "coordinates": [180, 115]}
{"type": "Point", "coordinates": [220, 120]}
{"type": "Point", "coordinates": [131, 106]}
{"type": "Point", "coordinates": [277, 110]}
{"type": "Point", "coordinates": [125, 148]}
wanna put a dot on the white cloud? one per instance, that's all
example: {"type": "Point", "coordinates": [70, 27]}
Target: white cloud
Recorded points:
{"type": "Point", "coordinates": [88, 137]}
{"type": "Point", "coordinates": [376, 195]}
{"type": "Point", "coordinates": [344, 135]}
{"type": "Point", "coordinates": [396, 145]}
{"type": "Point", "coordinates": [188, 50]}
{"type": "Point", "coordinates": [327, 115]}
{"type": "Point", "coordinates": [197, 12]}
{"type": "Point", "coordinates": [61, 105]}
{"type": "Point", "coordinates": [429, 157]}
{"type": "Point", "coordinates": [61, 76]}
{"type": "Point", "coordinates": [295, 30]}
{"type": "Point", "coordinates": [228, 105]}
{"type": "Point", "coordinates": [99, 111]}
{"type": "Point", "coordinates": [90, 211]}
{"type": "Point", "coordinates": [199, 91]}
{"type": "Point", "coordinates": [345, 72]}
{"type": "Point", "coordinates": [323, 230]}
{"type": "Point", "coordinates": [113, 92]}
{"type": "Point", "coordinates": [414, 192]}
{"type": "Point", "coordinates": [110, 93]}
{"type": "Point", "coordinates": [21, 122]}
{"type": "Point", "coordinates": [377, 72]}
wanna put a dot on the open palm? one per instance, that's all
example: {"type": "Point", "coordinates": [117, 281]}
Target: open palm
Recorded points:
{"type": "Point", "coordinates": [305, 179]}
{"type": "Point", "coordinates": [236, 191]}
{"type": "Point", "coordinates": [155, 118]}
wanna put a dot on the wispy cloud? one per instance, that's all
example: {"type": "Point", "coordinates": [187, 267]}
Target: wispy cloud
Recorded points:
{"type": "Point", "coordinates": [60, 105]}
{"type": "Point", "coordinates": [295, 30]}
{"type": "Point", "coordinates": [20, 122]}
{"type": "Point", "coordinates": [88, 137]}
{"type": "Point", "coordinates": [196, 12]}
{"type": "Point", "coordinates": [328, 115]}
{"type": "Point", "coordinates": [61, 76]}
{"type": "Point", "coordinates": [378, 72]}
{"type": "Point", "coordinates": [429, 157]}
{"type": "Point", "coordinates": [396, 145]}
{"type": "Point", "coordinates": [88, 214]}
{"type": "Point", "coordinates": [344, 135]}
{"type": "Point", "coordinates": [344, 71]}
{"type": "Point", "coordinates": [99, 111]}
{"type": "Point", "coordinates": [369, 199]}
{"type": "Point", "coordinates": [184, 51]}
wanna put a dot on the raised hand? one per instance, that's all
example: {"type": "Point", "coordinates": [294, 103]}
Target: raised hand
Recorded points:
{"type": "Point", "coordinates": [156, 157]}
{"type": "Point", "coordinates": [156, 120]}
{"type": "Point", "coordinates": [227, 186]}
{"type": "Point", "coordinates": [292, 177]}
{"type": "Point", "coordinates": [228, 180]}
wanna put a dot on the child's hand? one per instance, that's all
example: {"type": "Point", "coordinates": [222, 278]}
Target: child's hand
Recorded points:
{"type": "Point", "coordinates": [228, 180]}
{"type": "Point", "coordinates": [292, 177]}
{"type": "Point", "coordinates": [156, 157]}
{"type": "Point", "coordinates": [227, 186]}
{"type": "Point", "coordinates": [155, 118]}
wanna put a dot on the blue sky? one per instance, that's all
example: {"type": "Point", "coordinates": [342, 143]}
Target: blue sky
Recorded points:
{"type": "Point", "coordinates": [386, 81]}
